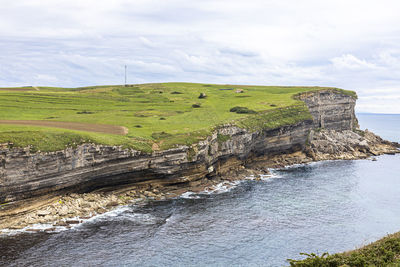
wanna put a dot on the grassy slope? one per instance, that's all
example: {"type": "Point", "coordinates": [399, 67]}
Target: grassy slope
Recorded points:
{"type": "Point", "coordinates": [153, 113]}
{"type": "Point", "coordinates": [384, 252]}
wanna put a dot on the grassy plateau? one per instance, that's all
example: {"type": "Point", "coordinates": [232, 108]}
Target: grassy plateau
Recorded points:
{"type": "Point", "coordinates": [156, 116]}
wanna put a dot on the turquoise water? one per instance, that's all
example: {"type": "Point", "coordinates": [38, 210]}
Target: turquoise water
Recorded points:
{"type": "Point", "coordinates": [327, 206]}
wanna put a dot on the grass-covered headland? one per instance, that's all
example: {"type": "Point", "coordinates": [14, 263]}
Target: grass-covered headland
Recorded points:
{"type": "Point", "coordinates": [384, 252]}
{"type": "Point", "coordinates": [156, 116]}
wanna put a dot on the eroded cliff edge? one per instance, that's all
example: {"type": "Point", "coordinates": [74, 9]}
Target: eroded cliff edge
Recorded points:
{"type": "Point", "coordinates": [332, 133]}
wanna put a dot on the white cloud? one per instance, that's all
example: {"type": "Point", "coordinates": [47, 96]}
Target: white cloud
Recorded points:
{"type": "Point", "coordinates": [351, 62]}
{"type": "Point", "coordinates": [349, 44]}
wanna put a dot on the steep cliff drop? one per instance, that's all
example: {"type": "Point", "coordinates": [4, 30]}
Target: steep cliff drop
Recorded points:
{"type": "Point", "coordinates": [40, 181]}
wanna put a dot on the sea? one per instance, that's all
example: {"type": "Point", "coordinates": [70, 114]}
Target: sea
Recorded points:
{"type": "Point", "coordinates": [329, 206]}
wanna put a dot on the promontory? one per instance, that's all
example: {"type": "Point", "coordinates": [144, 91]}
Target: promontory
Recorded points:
{"type": "Point", "coordinates": [77, 152]}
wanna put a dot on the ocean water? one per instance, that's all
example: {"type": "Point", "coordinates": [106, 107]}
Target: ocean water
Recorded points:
{"type": "Point", "coordinates": [329, 206]}
{"type": "Point", "coordinates": [386, 125]}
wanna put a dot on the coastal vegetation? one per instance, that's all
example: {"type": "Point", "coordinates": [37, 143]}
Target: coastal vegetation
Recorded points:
{"type": "Point", "coordinates": [184, 112]}
{"type": "Point", "coordinates": [384, 252]}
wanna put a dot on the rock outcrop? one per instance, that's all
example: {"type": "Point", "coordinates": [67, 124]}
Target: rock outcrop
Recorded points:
{"type": "Point", "coordinates": [331, 144]}
{"type": "Point", "coordinates": [25, 175]}
{"type": "Point", "coordinates": [331, 110]}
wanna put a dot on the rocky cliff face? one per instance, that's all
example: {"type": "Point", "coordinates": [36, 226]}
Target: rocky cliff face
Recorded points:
{"type": "Point", "coordinates": [90, 166]}
{"type": "Point", "coordinates": [334, 111]}
{"type": "Point", "coordinates": [24, 175]}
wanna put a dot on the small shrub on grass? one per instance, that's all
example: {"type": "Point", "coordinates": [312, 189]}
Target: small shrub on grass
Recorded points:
{"type": "Point", "coordinates": [202, 95]}
{"type": "Point", "coordinates": [160, 135]}
{"type": "Point", "coordinates": [241, 96]}
{"type": "Point", "coordinates": [123, 99]}
{"type": "Point", "coordinates": [242, 110]}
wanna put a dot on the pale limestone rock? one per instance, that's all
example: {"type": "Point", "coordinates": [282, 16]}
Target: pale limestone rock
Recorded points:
{"type": "Point", "coordinates": [43, 213]}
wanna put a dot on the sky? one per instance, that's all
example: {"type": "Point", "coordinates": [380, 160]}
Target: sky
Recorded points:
{"type": "Point", "coordinates": [348, 44]}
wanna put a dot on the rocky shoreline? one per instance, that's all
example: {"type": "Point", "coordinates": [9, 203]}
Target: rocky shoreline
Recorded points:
{"type": "Point", "coordinates": [71, 209]}
{"type": "Point", "coordinates": [63, 188]}
{"type": "Point", "coordinates": [74, 208]}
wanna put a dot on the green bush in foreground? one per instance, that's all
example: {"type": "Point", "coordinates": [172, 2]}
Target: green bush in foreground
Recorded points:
{"type": "Point", "coordinates": [384, 252]}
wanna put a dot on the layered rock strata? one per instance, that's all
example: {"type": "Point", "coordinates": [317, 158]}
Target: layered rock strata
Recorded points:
{"type": "Point", "coordinates": [324, 144]}
{"type": "Point", "coordinates": [331, 110]}
{"type": "Point", "coordinates": [24, 175]}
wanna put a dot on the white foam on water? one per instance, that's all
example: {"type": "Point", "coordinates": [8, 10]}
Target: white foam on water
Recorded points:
{"type": "Point", "coordinates": [112, 213]}
{"type": "Point", "coordinates": [190, 195]}
{"type": "Point", "coordinates": [274, 175]}
{"type": "Point", "coordinates": [34, 228]}
{"type": "Point", "coordinates": [222, 187]}
{"type": "Point", "coordinates": [141, 218]}
{"type": "Point", "coordinates": [312, 163]}
{"type": "Point", "coordinates": [124, 213]}
{"type": "Point", "coordinates": [226, 186]}
{"type": "Point", "coordinates": [51, 228]}
{"type": "Point", "coordinates": [264, 177]}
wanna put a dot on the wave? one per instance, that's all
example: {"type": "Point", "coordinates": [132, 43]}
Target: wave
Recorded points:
{"type": "Point", "coordinates": [72, 223]}
{"type": "Point", "coordinates": [34, 228]}
{"type": "Point", "coordinates": [126, 212]}
{"type": "Point", "coordinates": [273, 174]}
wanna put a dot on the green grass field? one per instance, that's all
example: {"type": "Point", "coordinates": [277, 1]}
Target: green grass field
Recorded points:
{"type": "Point", "coordinates": [165, 114]}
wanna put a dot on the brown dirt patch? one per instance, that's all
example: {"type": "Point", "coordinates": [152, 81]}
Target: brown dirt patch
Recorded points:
{"type": "Point", "coordinates": [155, 147]}
{"type": "Point", "coordinates": [98, 128]}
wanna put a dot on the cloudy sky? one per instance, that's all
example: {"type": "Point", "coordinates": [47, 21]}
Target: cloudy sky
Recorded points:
{"type": "Point", "coordinates": [351, 44]}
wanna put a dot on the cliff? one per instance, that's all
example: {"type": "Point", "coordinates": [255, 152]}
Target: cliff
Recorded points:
{"type": "Point", "coordinates": [331, 110]}
{"type": "Point", "coordinates": [25, 175]}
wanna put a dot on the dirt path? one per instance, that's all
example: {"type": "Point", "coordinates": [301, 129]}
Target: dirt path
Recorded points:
{"type": "Point", "coordinates": [98, 128]}
{"type": "Point", "coordinates": [20, 89]}
{"type": "Point", "coordinates": [17, 89]}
